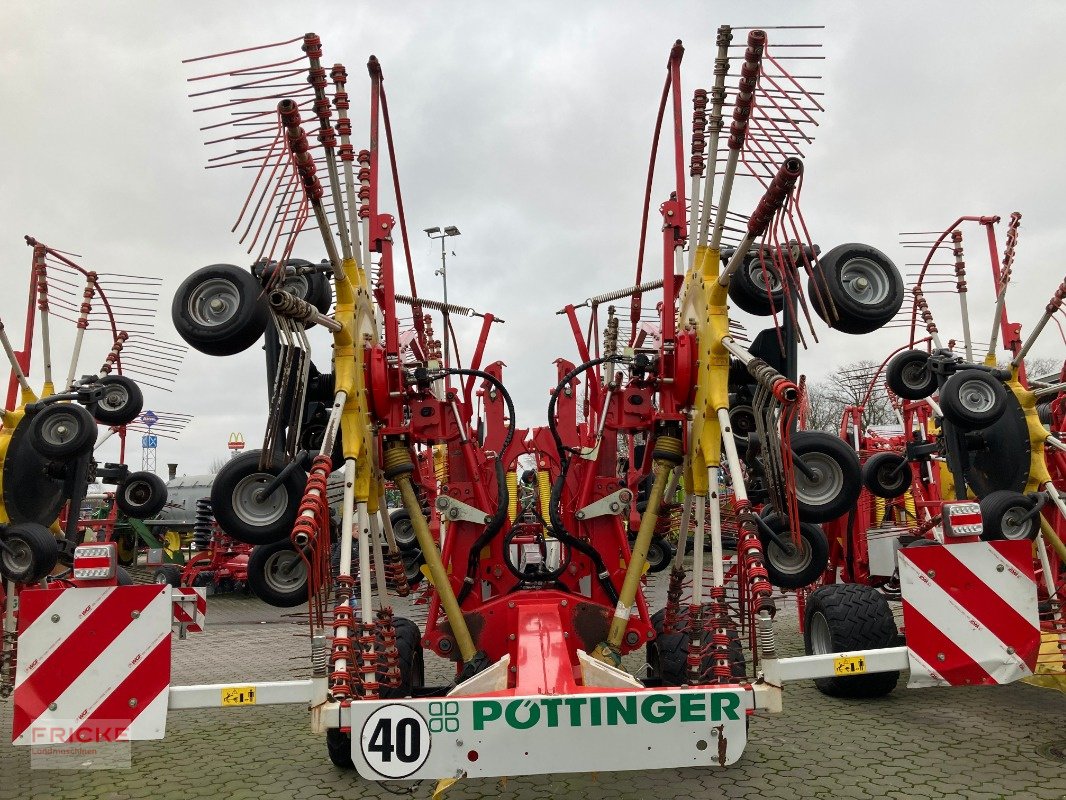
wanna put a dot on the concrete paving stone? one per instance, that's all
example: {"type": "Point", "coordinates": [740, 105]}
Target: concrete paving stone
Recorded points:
{"type": "Point", "coordinates": [978, 744]}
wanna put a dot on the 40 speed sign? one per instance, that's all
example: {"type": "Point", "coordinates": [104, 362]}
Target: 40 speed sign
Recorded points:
{"type": "Point", "coordinates": [503, 735]}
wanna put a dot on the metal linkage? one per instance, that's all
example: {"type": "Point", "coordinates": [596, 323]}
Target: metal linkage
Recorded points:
{"type": "Point", "coordinates": [738, 130]}
{"type": "Point", "coordinates": [1002, 282]}
{"type": "Point", "coordinates": [1053, 306]}
{"type": "Point", "coordinates": [960, 287]}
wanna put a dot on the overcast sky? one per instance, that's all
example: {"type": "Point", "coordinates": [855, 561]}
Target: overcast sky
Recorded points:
{"type": "Point", "coordinates": [528, 127]}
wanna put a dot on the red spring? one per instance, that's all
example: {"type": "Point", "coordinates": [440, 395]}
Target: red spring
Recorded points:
{"type": "Point", "coordinates": [694, 661]}
{"type": "Point", "coordinates": [395, 574]}
{"type": "Point", "coordinates": [389, 657]}
{"type": "Point", "coordinates": [312, 45]}
{"type": "Point", "coordinates": [316, 76]}
{"type": "Point", "coordinates": [750, 549]}
{"type": "Point", "coordinates": [368, 682]}
{"type": "Point", "coordinates": [673, 600]}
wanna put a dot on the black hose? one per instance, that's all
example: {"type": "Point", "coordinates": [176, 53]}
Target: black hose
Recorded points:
{"type": "Point", "coordinates": [562, 385]}
{"type": "Point", "coordinates": [495, 525]}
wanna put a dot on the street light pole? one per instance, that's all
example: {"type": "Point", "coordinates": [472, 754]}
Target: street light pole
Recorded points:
{"type": "Point", "coordinates": [437, 233]}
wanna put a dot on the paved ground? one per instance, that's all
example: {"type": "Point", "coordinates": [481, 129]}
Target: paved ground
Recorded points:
{"type": "Point", "coordinates": [985, 744]}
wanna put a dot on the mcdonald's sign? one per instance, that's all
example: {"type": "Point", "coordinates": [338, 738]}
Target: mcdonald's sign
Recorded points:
{"type": "Point", "coordinates": [236, 441]}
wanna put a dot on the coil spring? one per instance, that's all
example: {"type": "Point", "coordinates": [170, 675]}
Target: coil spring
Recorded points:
{"type": "Point", "coordinates": [598, 299]}
{"type": "Point", "coordinates": [694, 661]}
{"type": "Point", "coordinates": [750, 549]}
{"type": "Point", "coordinates": [203, 525]}
{"type": "Point", "coordinates": [396, 575]}
{"type": "Point", "coordinates": [389, 655]}
{"type": "Point", "coordinates": [319, 657]}
{"type": "Point", "coordinates": [673, 599]}
{"type": "Point", "coordinates": [369, 685]}
{"type": "Point", "coordinates": [766, 637]}
{"type": "Point", "coordinates": [610, 335]}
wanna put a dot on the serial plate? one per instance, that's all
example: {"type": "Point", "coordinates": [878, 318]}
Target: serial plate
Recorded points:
{"type": "Point", "coordinates": [849, 665]}
{"type": "Point", "coordinates": [530, 735]}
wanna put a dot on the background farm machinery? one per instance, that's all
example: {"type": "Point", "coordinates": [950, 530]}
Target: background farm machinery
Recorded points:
{"type": "Point", "coordinates": [49, 434]}
{"type": "Point", "coordinates": [537, 597]}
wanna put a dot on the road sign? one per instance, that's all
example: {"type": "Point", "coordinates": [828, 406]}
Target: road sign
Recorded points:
{"type": "Point", "coordinates": [149, 418]}
{"type": "Point", "coordinates": [150, 441]}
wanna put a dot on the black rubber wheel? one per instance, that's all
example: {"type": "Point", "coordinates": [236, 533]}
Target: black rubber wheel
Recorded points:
{"type": "Point", "coordinates": [742, 421]}
{"type": "Point", "coordinates": [122, 401]}
{"type": "Point", "coordinates": [908, 375]}
{"type": "Point", "coordinates": [751, 288]}
{"type": "Point", "coordinates": [277, 574]}
{"type": "Point", "coordinates": [667, 655]}
{"type": "Point", "coordinates": [30, 553]}
{"type": "Point", "coordinates": [863, 284]}
{"type": "Point", "coordinates": [1004, 516]}
{"type": "Point", "coordinates": [412, 676]}
{"type": "Point", "coordinates": [220, 310]}
{"type": "Point", "coordinates": [836, 483]}
{"type": "Point", "coordinates": [123, 577]}
{"type": "Point", "coordinates": [403, 530]}
{"type": "Point", "coordinates": [62, 430]}
{"type": "Point", "coordinates": [660, 554]}
{"type": "Point", "coordinates": [843, 618]}
{"type": "Point", "coordinates": [798, 566]}
{"type": "Point", "coordinates": [141, 495]}
{"type": "Point", "coordinates": [886, 475]}
{"type": "Point", "coordinates": [169, 574]}
{"type": "Point", "coordinates": [242, 514]}
{"type": "Point", "coordinates": [972, 399]}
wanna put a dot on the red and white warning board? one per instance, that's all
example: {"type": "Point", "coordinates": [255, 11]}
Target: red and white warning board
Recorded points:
{"type": "Point", "coordinates": [970, 613]}
{"type": "Point", "coordinates": [92, 660]}
{"type": "Point", "coordinates": [190, 608]}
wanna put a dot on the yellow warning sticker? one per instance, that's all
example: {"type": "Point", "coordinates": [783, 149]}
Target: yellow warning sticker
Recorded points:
{"type": "Point", "coordinates": [849, 665]}
{"type": "Point", "coordinates": [238, 695]}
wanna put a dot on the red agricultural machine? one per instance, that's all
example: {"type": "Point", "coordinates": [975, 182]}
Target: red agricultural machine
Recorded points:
{"type": "Point", "coordinates": [972, 426]}
{"type": "Point", "coordinates": [48, 435]}
{"type": "Point", "coordinates": [540, 605]}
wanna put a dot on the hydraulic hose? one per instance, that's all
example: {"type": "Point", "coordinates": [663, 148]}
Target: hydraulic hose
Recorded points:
{"type": "Point", "coordinates": [495, 524]}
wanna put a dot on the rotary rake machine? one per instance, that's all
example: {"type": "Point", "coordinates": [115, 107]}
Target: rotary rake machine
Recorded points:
{"type": "Point", "coordinates": [540, 607]}
{"type": "Point", "coordinates": [976, 431]}
{"type": "Point", "coordinates": [49, 434]}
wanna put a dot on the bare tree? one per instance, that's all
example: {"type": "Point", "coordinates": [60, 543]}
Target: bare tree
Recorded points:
{"type": "Point", "coordinates": [217, 464]}
{"type": "Point", "coordinates": [849, 385]}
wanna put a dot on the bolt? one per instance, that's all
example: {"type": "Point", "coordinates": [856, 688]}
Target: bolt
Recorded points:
{"type": "Point", "coordinates": [510, 604]}
{"type": "Point", "coordinates": [940, 657]}
{"type": "Point", "coordinates": [651, 634]}
{"type": "Point", "coordinates": [614, 507]}
{"type": "Point", "coordinates": [135, 614]}
{"type": "Point", "coordinates": [487, 519]}
{"type": "Point", "coordinates": [458, 742]}
{"type": "Point", "coordinates": [453, 513]}
{"type": "Point", "coordinates": [861, 283]}
{"type": "Point", "coordinates": [566, 634]}
{"type": "Point", "coordinates": [632, 638]}
{"type": "Point", "coordinates": [511, 636]}
{"type": "Point", "coordinates": [1000, 568]}
{"type": "Point", "coordinates": [564, 603]}
{"type": "Point", "coordinates": [133, 702]}
{"type": "Point", "coordinates": [217, 304]}
{"type": "Point", "coordinates": [931, 573]}
{"type": "Point", "coordinates": [55, 618]}
{"type": "Point", "coordinates": [1010, 650]}
{"type": "Point", "coordinates": [580, 515]}
{"type": "Point", "coordinates": [52, 706]}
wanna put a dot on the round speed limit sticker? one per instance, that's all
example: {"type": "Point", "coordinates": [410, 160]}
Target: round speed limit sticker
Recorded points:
{"type": "Point", "coordinates": [395, 741]}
